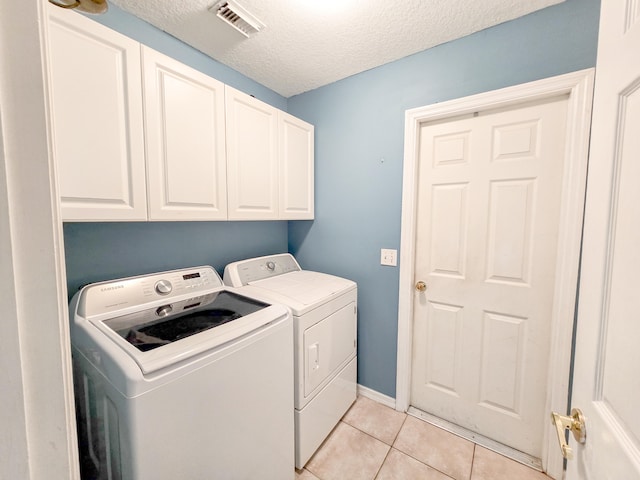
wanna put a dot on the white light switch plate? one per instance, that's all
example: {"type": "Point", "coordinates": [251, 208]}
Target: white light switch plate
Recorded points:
{"type": "Point", "coordinates": [388, 257]}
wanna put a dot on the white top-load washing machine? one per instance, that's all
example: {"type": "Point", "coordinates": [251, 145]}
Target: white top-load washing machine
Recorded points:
{"type": "Point", "coordinates": [325, 330]}
{"type": "Point", "coordinates": [179, 377]}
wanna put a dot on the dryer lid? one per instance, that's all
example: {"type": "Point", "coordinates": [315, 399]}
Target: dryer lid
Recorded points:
{"type": "Point", "coordinates": [305, 287]}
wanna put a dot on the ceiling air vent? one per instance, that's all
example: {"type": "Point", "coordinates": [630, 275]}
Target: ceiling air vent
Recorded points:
{"type": "Point", "coordinates": [237, 17]}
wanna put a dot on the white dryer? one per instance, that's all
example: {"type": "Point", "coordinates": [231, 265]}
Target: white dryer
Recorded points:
{"type": "Point", "coordinates": [324, 311]}
{"type": "Point", "coordinates": [179, 377]}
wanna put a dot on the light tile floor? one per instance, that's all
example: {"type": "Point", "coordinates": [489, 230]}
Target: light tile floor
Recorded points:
{"type": "Point", "coordinates": [373, 441]}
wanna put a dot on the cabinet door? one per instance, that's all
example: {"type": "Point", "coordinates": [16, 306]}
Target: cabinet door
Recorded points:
{"type": "Point", "coordinates": [252, 164]}
{"type": "Point", "coordinates": [96, 119]}
{"type": "Point", "coordinates": [185, 139]}
{"type": "Point", "coordinates": [296, 167]}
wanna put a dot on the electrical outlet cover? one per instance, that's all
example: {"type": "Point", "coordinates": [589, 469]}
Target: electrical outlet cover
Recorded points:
{"type": "Point", "coordinates": [388, 257]}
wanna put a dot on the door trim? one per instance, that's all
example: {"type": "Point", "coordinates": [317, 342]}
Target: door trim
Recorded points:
{"type": "Point", "coordinates": [578, 86]}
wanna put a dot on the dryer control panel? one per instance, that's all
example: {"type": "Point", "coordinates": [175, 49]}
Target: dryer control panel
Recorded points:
{"type": "Point", "coordinates": [244, 272]}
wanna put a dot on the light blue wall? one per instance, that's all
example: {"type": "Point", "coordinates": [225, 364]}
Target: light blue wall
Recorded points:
{"type": "Point", "coordinates": [102, 251]}
{"type": "Point", "coordinates": [359, 152]}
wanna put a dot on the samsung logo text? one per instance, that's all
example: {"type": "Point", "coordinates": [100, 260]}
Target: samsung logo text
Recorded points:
{"type": "Point", "coordinates": [114, 287]}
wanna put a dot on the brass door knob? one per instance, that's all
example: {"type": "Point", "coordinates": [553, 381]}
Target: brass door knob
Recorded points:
{"type": "Point", "coordinates": [421, 286]}
{"type": "Point", "coordinates": [575, 423]}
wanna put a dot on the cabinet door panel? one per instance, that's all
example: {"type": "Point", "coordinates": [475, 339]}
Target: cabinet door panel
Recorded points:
{"type": "Point", "coordinates": [252, 147]}
{"type": "Point", "coordinates": [296, 167]}
{"type": "Point", "coordinates": [96, 119]}
{"type": "Point", "coordinates": [185, 132]}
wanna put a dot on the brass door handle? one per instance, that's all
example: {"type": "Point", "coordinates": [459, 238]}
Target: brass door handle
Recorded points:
{"type": "Point", "coordinates": [421, 286]}
{"type": "Point", "coordinates": [575, 423]}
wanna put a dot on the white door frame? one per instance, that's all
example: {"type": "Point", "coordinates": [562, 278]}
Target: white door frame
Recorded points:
{"type": "Point", "coordinates": [578, 86]}
{"type": "Point", "coordinates": [38, 434]}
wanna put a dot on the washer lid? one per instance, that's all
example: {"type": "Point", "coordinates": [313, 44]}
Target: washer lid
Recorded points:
{"type": "Point", "coordinates": [160, 326]}
{"type": "Point", "coordinates": [303, 288]}
{"type": "Point", "coordinates": [163, 319]}
{"type": "Point", "coordinates": [166, 342]}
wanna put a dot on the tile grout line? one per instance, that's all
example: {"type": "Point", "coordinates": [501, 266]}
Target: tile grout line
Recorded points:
{"type": "Point", "coordinates": [420, 461]}
{"type": "Point", "coordinates": [367, 434]}
{"type": "Point", "coordinates": [391, 447]}
{"type": "Point", "coordinates": [382, 464]}
{"type": "Point", "coordinates": [381, 441]}
{"type": "Point", "coordinates": [403, 422]}
{"type": "Point", "coordinates": [473, 460]}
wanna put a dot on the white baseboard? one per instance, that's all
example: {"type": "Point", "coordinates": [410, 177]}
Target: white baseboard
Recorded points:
{"type": "Point", "coordinates": [377, 396]}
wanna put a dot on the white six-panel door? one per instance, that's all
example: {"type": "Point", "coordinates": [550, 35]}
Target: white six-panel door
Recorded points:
{"type": "Point", "coordinates": [606, 383]}
{"type": "Point", "coordinates": [487, 226]}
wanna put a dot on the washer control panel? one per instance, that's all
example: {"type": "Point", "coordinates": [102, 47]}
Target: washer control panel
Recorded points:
{"type": "Point", "coordinates": [109, 297]}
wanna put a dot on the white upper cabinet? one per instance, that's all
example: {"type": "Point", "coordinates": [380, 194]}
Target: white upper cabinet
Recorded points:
{"type": "Point", "coordinates": [185, 139]}
{"type": "Point", "coordinates": [269, 161]}
{"type": "Point", "coordinates": [252, 157]}
{"type": "Point", "coordinates": [96, 119]}
{"type": "Point", "coordinates": [295, 168]}
{"type": "Point", "coordinates": [137, 135]}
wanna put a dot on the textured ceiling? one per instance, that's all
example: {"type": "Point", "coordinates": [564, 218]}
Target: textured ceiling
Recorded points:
{"type": "Point", "coordinates": [310, 43]}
